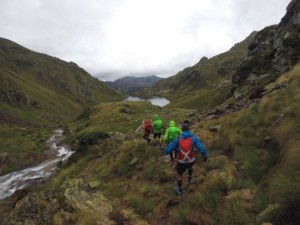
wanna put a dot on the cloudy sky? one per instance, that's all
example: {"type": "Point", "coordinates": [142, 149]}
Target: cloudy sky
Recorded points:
{"type": "Point", "coordinates": [114, 38]}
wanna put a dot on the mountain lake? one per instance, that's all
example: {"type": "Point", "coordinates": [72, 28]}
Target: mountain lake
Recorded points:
{"type": "Point", "coordinates": [154, 100]}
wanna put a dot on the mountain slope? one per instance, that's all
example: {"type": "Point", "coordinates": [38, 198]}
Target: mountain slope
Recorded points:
{"type": "Point", "coordinates": [45, 86]}
{"type": "Point", "coordinates": [274, 50]}
{"type": "Point", "coordinates": [252, 176]}
{"type": "Point", "coordinates": [37, 93]}
{"type": "Point", "coordinates": [205, 84]}
{"type": "Point", "coordinates": [241, 72]}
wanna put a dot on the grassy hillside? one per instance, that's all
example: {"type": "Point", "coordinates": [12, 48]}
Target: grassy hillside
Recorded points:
{"type": "Point", "coordinates": [251, 176]}
{"type": "Point", "coordinates": [39, 88]}
{"type": "Point", "coordinates": [37, 93]}
{"type": "Point", "coordinates": [116, 177]}
{"type": "Point", "coordinates": [206, 84]}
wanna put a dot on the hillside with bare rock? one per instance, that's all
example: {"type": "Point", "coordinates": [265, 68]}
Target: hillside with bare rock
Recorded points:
{"type": "Point", "coordinates": [243, 105]}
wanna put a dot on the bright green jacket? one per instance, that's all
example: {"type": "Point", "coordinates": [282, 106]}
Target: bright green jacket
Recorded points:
{"type": "Point", "coordinates": [157, 125]}
{"type": "Point", "coordinates": [171, 133]}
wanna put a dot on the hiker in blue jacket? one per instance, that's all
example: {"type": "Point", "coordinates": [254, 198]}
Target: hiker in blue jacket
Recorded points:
{"type": "Point", "coordinates": [185, 144]}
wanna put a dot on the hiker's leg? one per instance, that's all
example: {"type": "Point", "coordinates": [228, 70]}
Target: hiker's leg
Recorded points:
{"type": "Point", "coordinates": [179, 182]}
{"type": "Point", "coordinates": [154, 137]}
{"type": "Point", "coordinates": [148, 139]}
{"type": "Point", "coordinates": [175, 153]}
{"type": "Point", "coordinates": [171, 155]}
{"type": "Point", "coordinates": [180, 170]}
{"type": "Point", "coordinates": [145, 136]}
{"type": "Point", "coordinates": [190, 172]}
{"type": "Point", "coordinates": [159, 142]}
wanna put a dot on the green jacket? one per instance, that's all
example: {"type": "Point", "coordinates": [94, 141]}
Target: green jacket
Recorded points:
{"type": "Point", "coordinates": [171, 133]}
{"type": "Point", "coordinates": [157, 125]}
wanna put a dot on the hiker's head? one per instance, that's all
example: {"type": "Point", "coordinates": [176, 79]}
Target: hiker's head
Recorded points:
{"type": "Point", "coordinates": [156, 117]}
{"type": "Point", "coordinates": [172, 123]}
{"type": "Point", "coordinates": [185, 126]}
{"type": "Point", "coordinates": [146, 121]}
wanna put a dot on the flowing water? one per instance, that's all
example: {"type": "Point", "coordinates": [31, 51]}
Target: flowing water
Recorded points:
{"type": "Point", "coordinates": [16, 180]}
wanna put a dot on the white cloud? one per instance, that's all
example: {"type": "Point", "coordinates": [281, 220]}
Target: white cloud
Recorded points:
{"type": "Point", "coordinates": [113, 38]}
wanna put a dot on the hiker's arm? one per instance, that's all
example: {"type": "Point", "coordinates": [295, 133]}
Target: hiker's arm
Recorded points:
{"type": "Point", "coordinates": [171, 146]}
{"type": "Point", "coordinates": [166, 136]}
{"type": "Point", "coordinates": [200, 147]}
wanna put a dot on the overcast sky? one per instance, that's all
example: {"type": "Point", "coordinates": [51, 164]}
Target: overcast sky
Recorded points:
{"type": "Point", "coordinates": [114, 38]}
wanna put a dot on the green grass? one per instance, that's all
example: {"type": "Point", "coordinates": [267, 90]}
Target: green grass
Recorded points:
{"type": "Point", "coordinates": [256, 148]}
{"type": "Point", "coordinates": [202, 99]}
{"type": "Point", "coordinates": [20, 140]}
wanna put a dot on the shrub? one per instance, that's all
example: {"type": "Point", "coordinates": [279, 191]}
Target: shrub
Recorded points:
{"type": "Point", "coordinates": [92, 138]}
{"type": "Point", "coordinates": [233, 212]}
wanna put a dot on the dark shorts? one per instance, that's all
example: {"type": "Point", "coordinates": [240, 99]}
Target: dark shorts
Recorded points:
{"type": "Point", "coordinates": [181, 167]}
{"type": "Point", "coordinates": [156, 135]}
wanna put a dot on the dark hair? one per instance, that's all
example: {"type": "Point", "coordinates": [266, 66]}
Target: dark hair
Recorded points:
{"type": "Point", "coordinates": [185, 126]}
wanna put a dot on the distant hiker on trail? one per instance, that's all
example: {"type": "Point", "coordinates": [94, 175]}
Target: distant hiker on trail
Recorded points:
{"type": "Point", "coordinates": [171, 133]}
{"type": "Point", "coordinates": [158, 128]}
{"type": "Point", "coordinates": [185, 144]}
{"type": "Point", "coordinates": [148, 129]}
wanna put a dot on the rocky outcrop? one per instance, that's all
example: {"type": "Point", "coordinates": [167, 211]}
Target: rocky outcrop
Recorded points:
{"type": "Point", "coordinates": [274, 50]}
{"type": "Point", "coordinates": [15, 97]}
{"type": "Point", "coordinates": [73, 203]}
{"type": "Point", "coordinates": [10, 94]}
{"type": "Point", "coordinates": [52, 208]}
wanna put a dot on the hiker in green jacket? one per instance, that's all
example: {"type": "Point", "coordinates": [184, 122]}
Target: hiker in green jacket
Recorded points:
{"type": "Point", "coordinates": [171, 133]}
{"type": "Point", "coordinates": [158, 129]}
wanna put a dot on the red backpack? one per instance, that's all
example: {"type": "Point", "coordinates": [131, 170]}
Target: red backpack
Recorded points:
{"type": "Point", "coordinates": [185, 146]}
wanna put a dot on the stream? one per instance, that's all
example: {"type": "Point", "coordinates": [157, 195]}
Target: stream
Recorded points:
{"type": "Point", "coordinates": [16, 180]}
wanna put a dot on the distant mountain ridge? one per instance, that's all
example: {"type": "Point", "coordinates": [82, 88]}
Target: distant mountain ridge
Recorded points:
{"type": "Point", "coordinates": [130, 84]}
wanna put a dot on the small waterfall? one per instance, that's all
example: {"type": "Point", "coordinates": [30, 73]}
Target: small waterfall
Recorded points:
{"type": "Point", "coordinates": [16, 180]}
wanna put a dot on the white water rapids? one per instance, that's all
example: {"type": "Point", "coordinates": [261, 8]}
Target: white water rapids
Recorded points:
{"type": "Point", "coordinates": [16, 180]}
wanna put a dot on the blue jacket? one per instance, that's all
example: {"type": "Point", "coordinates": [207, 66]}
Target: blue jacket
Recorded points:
{"type": "Point", "coordinates": [195, 141]}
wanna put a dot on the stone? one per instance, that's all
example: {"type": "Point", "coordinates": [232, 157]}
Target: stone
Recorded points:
{"type": "Point", "coordinates": [134, 161]}
{"type": "Point", "coordinates": [215, 128]}
{"type": "Point", "coordinates": [246, 194]}
{"type": "Point", "coordinates": [94, 184]}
